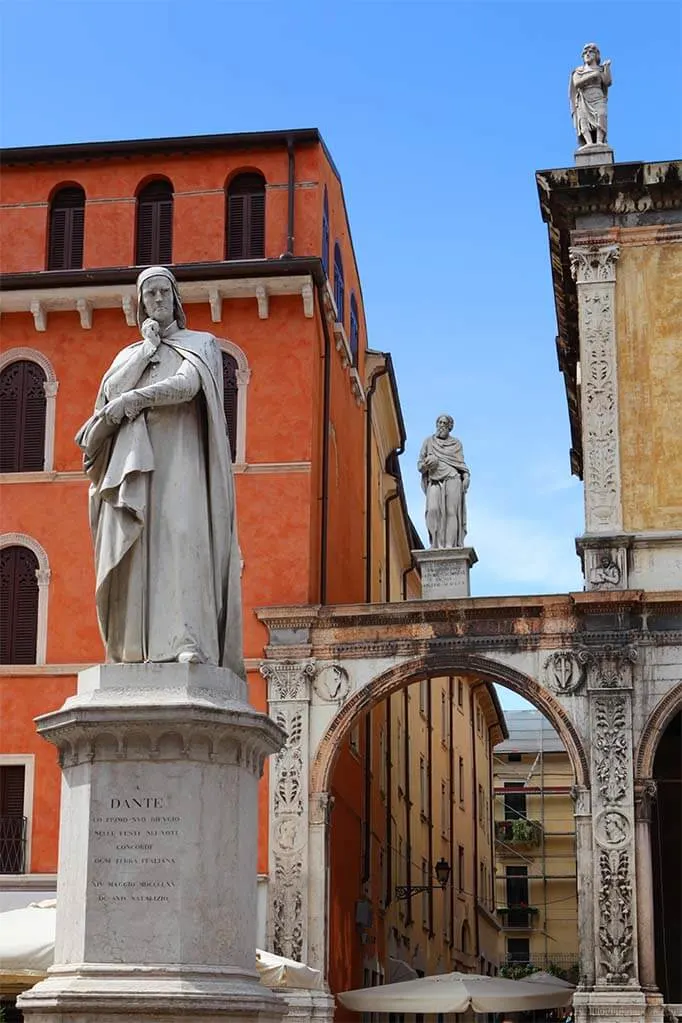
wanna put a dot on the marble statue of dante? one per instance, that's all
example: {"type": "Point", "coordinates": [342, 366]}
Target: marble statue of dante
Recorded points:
{"type": "Point", "coordinates": [445, 481]}
{"type": "Point", "coordinates": [587, 93]}
{"type": "Point", "coordinates": [162, 509]}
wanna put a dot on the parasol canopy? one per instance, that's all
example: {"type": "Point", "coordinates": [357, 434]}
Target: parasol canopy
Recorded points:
{"type": "Point", "coordinates": [456, 992]}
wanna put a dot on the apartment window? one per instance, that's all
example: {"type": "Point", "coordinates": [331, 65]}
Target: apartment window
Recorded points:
{"type": "Point", "coordinates": [479, 721]}
{"type": "Point", "coordinates": [154, 233]}
{"type": "Point", "coordinates": [514, 802]}
{"type": "Point", "coordinates": [66, 228]}
{"type": "Point", "coordinates": [460, 867]}
{"type": "Point", "coordinates": [423, 795]}
{"type": "Point", "coordinates": [460, 693]}
{"type": "Point", "coordinates": [246, 217]}
{"type": "Point", "coordinates": [354, 339]}
{"type": "Point", "coordinates": [481, 881]}
{"type": "Point", "coordinates": [325, 232]}
{"type": "Point", "coordinates": [480, 805]}
{"type": "Point", "coordinates": [12, 819]}
{"type": "Point", "coordinates": [382, 761]}
{"type": "Point", "coordinates": [230, 399]}
{"type": "Point", "coordinates": [517, 897]}
{"type": "Point", "coordinates": [23, 408]}
{"type": "Point", "coordinates": [444, 809]}
{"type": "Point", "coordinates": [339, 286]}
{"type": "Point", "coordinates": [423, 696]}
{"type": "Point", "coordinates": [461, 781]}
{"type": "Point", "coordinates": [518, 950]}
{"type": "Point", "coordinates": [514, 758]}
{"type": "Point", "coordinates": [18, 605]}
{"type": "Point", "coordinates": [445, 718]}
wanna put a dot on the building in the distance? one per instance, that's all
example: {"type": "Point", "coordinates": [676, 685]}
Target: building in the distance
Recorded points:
{"type": "Point", "coordinates": [535, 847]}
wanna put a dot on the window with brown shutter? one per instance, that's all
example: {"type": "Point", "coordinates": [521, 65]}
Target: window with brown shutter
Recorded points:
{"type": "Point", "coordinates": [12, 819]}
{"type": "Point", "coordinates": [230, 399]}
{"type": "Point", "coordinates": [246, 217]}
{"type": "Point", "coordinates": [22, 417]}
{"type": "Point", "coordinates": [325, 232]}
{"type": "Point", "coordinates": [18, 605]}
{"type": "Point", "coordinates": [354, 329]}
{"type": "Point", "coordinates": [154, 232]}
{"type": "Point", "coordinates": [66, 228]}
{"type": "Point", "coordinates": [339, 286]}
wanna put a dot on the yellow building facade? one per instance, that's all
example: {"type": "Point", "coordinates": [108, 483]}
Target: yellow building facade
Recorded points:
{"type": "Point", "coordinates": [535, 848]}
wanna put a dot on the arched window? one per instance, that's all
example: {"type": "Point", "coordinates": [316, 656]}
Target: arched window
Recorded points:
{"type": "Point", "coordinates": [66, 227]}
{"type": "Point", "coordinates": [325, 232]}
{"type": "Point", "coordinates": [246, 217]}
{"type": "Point", "coordinates": [230, 399]}
{"type": "Point", "coordinates": [23, 405]}
{"type": "Point", "coordinates": [18, 605]}
{"type": "Point", "coordinates": [154, 234]}
{"type": "Point", "coordinates": [354, 329]}
{"type": "Point", "coordinates": [339, 288]}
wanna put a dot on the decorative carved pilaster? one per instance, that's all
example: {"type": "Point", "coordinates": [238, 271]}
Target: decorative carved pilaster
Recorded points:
{"type": "Point", "coordinates": [613, 826]}
{"type": "Point", "coordinates": [594, 270]}
{"type": "Point", "coordinates": [611, 666]}
{"type": "Point", "coordinates": [289, 694]}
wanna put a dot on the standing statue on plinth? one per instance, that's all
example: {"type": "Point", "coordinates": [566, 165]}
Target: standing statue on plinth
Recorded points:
{"type": "Point", "coordinates": [587, 90]}
{"type": "Point", "coordinates": [445, 481]}
{"type": "Point", "coordinates": [162, 508]}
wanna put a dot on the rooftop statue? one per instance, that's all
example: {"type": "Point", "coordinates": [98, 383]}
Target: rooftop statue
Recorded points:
{"type": "Point", "coordinates": [587, 90]}
{"type": "Point", "coordinates": [445, 481]}
{"type": "Point", "coordinates": [162, 508]}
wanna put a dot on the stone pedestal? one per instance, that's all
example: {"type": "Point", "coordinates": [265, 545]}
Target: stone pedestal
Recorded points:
{"type": "Point", "coordinates": [445, 571]}
{"type": "Point", "coordinates": [594, 155]}
{"type": "Point", "coordinates": [156, 894]}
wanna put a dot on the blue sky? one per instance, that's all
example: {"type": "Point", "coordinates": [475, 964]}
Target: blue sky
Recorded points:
{"type": "Point", "coordinates": [437, 115]}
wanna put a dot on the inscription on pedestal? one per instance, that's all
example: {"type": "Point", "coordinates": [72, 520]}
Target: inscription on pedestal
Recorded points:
{"type": "Point", "coordinates": [135, 844]}
{"type": "Point", "coordinates": [445, 572]}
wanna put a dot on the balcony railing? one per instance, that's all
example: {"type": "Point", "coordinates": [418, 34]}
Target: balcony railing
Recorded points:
{"type": "Point", "coordinates": [517, 916]}
{"type": "Point", "coordinates": [519, 831]}
{"type": "Point", "coordinates": [12, 845]}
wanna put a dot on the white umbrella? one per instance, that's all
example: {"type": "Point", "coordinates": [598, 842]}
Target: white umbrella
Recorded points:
{"type": "Point", "coordinates": [27, 950]}
{"type": "Point", "coordinates": [542, 977]}
{"type": "Point", "coordinates": [456, 992]}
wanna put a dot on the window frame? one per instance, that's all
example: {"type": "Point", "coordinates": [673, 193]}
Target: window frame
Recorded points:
{"type": "Point", "coordinates": [139, 199]}
{"type": "Point", "coordinates": [326, 234]}
{"type": "Point", "coordinates": [68, 263]}
{"type": "Point", "coordinates": [339, 285]}
{"type": "Point", "coordinates": [247, 214]}
{"type": "Point", "coordinates": [51, 386]}
{"type": "Point", "coordinates": [27, 761]}
{"type": "Point", "coordinates": [243, 379]}
{"type": "Point", "coordinates": [43, 575]}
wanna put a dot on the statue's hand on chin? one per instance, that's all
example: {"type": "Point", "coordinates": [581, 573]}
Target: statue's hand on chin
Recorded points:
{"type": "Point", "coordinates": [151, 332]}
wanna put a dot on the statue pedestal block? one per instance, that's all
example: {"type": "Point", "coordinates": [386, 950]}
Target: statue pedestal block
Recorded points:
{"type": "Point", "coordinates": [595, 155]}
{"type": "Point", "coordinates": [445, 571]}
{"type": "Point", "coordinates": [156, 892]}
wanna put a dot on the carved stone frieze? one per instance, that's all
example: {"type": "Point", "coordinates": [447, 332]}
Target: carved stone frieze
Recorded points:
{"type": "Point", "coordinates": [605, 567]}
{"type": "Point", "coordinates": [611, 666]}
{"type": "Point", "coordinates": [612, 829]}
{"type": "Point", "coordinates": [616, 931]}
{"type": "Point", "coordinates": [594, 270]}
{"type": "Point", "coordinates": [645, 797]}
{"type": "Point", "coordinates": [288, 680]}
{"type": "Point", "coordinates": [564, 671]}
{"type": "Point", "coordinates": [611, 748]}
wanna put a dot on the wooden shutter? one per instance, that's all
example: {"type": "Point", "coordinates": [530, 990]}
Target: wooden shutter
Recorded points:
{"type": "Point", "coordinates": [230, 399]}
{"type": "Point", "coordinates": [325, 234]}
{"type": "Point", "coordinates": [12, 819]}
{"type": "Point", "coordinates": [339, 287]}
{"type": "Point", "coordinates": [22, 417]}
{"type": "Point", "coordinates": [246, 218]}
{"type": "Point", "coordinates": [18, 605]}
{"type": "Point", "coordinates": [67, 223]}
{"type": "Point", "coordinates": [354, 330]}
{"type": "Point", "coordinates": [154, 235]}
{"type": "Point", "coordinates": [12, 790]}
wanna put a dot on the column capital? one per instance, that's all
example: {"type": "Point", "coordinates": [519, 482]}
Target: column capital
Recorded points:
{"type": "Point", "coordinates": [594, 264]}
{"type": "Point", "coordinates": [288, 680]}
{"type": "Point", "coordinates": [645, 796]}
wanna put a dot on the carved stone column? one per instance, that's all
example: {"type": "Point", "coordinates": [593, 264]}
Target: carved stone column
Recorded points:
{"type": "Point", "coordinates": [594, 270]}
{"type": "Point", "coordinates": [585, 883]}
{"type": "Point", "coordinates": [644, 797]}
{"type": "Point", "coordinates": [320, 811]}
{"type": "Point", "coordinates": [289, 693]}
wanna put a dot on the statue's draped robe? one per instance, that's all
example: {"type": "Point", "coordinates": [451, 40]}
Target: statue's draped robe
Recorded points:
{"type": "Point", "coordinates": [162, 510]}
{"type": "Point", "coordinates": [450, 469]}
{"type": "Point", "coordinates": [587, 95]}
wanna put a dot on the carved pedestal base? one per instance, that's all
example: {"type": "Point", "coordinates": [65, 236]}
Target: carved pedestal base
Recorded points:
{"type": "Point", "coordinates": [621, 1006]}
{"type": "Point", "coordinates": [596, 154]}
{"type": "Point", "coordinates": [445, 572]}
{"type": "Point", "coordinates": [156, 893]}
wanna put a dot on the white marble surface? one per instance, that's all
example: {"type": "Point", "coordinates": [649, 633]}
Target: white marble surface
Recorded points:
{"type": "Point", "coordinates": [445, 573]}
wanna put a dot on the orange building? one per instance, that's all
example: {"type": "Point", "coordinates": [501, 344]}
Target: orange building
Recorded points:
{"type": "Point", "coordinates": [256, 229]}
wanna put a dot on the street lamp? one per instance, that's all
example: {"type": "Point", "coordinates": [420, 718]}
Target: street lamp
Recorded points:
{"type": "Point", "coordinates": [442, 870]}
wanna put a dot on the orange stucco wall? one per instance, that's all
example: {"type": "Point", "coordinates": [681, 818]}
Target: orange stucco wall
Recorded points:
{"type": "Point", "coordinates": [279, 510]}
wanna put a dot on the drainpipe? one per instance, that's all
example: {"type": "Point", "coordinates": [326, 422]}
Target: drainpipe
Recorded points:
{"type": "Point", "coordinates": [382, 371]}
{"type": "Point", "coordinates": [474, 817]}
{"type": "Point", "coordinates": [491, 820]}
{"type": "Point", "coordinates": [408, 804]}
{"type": "Point", "coordinates": [387, 542]}
{"type": "Point", "coordinates": [291, 190]}
{"type": "Point", "coordinates": [320, 281]}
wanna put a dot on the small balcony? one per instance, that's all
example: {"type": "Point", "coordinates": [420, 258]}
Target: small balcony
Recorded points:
{"type": "Point", "coordinates": [519, 833]}
{"type": "Point", "coordinates": [12, 845]}
{"type": "Point", "coordinates": [517, 917]}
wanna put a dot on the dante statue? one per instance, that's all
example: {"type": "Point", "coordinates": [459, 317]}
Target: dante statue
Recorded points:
{"type": "Point", "coordinates": [587, 92]}
{"type": "Point", "coordinates": [445, 481]}
{"type": "Point", "coordinates": [162, 509]}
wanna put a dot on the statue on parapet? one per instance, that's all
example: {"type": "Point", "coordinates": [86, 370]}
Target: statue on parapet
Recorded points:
{"type": "Point", "coordinates": [162, 509]}
{"type": "Point", "coordinates": [445, 481]}
{"type": "Point", "coordinates": [587, 91]}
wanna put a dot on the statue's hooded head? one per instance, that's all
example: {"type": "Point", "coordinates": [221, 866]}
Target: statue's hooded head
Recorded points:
{"type": "Point", "coordinates": [591, 48]}
{"type": "Point", "coordinates": [146, 275]}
